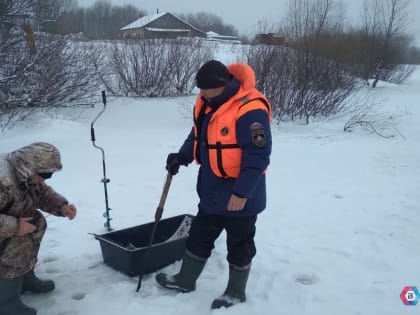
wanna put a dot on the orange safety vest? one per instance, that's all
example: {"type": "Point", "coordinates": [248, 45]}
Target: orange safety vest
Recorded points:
{"type": "Point", "coordinates": [222, 145]}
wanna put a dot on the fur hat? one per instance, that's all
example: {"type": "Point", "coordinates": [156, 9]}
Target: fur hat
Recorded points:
{"type": "Point", "coordinates": [36, 158]}
{"type": "Point", "coordinates": [213, 74]}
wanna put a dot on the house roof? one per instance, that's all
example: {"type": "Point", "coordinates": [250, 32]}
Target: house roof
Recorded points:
{"type": "Point", "coordinates": [145, 20]}
{"type": "Point", "coordinates": [211, 34]}
{"type": "Point", "coordinates": [154, 29]}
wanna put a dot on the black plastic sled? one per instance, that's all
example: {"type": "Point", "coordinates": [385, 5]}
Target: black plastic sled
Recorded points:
{"type": "Point", "coordinates": [124, 250]}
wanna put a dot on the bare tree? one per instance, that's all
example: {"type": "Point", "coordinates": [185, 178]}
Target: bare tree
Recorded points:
{"type": "Point", "coordinates": [299, 80]}
{"type": "Point", "coordinates": [153, 67]}
{"type": "Point", "coordinates": [209, 22]}
{"type": "Point", "coordinates": [369, 118]}
{"type": "Point", "coordinates": [139, 68]}
{"type": "Point", "coordinates": [61, 72]}
{"type": "Point", "coordinates": [385, 21]}
{"type": "Point", "coordinates": [46, 10]}
{"type": "Point", "coordinates": [8, 7]}
{"type": "Point", "coordinates": [184, 57]}
{"type": "Point", "coordinates": [100, 21]}
{"type": "Point", "coordinates": [68, 6]}
{"type": "Point", "coordinates": [57, 75]}
{"type": "Point", "coordinates": [38, 71]}
{"type": "Point", "coordinates": [12, 44]}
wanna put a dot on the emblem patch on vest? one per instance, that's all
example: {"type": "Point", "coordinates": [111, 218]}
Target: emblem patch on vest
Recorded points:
{"type": "Point", "coordinates": [224, 131]}
{"type": "Point", "coordinates": [258, 134]}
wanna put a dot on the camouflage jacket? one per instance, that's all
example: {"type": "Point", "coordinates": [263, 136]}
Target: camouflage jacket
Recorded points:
{"type": "Point", "coordinates": [19, 196]}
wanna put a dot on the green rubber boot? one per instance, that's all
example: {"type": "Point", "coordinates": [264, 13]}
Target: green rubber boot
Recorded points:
{"type": "Point", "coordinates": [10, 302]}
{"type": "Point", "coordinates": [235, 291]}
{"type": "Point", "coordinates": [31, 283]}
{"type": "Point", "coordinates": [184, 281]}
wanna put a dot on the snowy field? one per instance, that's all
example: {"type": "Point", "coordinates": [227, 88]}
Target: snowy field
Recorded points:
{"type": "Point", "coordinates": [340, 234]}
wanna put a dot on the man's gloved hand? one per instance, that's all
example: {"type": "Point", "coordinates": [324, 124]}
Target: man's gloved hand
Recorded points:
{"type": "Point", "coordinates": [174, 161]}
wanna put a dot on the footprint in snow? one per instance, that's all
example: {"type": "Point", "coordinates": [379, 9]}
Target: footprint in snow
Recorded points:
{"type": "Point", "coordinates": [95, 265]}
{"type": "Point", "coordinates": [78, 296]}
{"type": "Point", "coordinates": [306, 279]}
{"type": "Point", "coordinates": [52, 269]}
{"type": "Point", "coordinates": [49, 259]}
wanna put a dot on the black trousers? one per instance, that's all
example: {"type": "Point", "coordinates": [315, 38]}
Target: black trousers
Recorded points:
{"type": "Point", "coordinates": [240, 232]}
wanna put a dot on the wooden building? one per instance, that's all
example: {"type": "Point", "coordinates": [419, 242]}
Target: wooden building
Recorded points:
{"type": "Point", "coordinates": [162, 25]}
{"type": "Point", "coordinates": [269, 39]}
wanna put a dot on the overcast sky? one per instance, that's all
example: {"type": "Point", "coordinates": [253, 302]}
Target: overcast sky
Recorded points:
{"type": "Point", "coordinates": [245, 15]}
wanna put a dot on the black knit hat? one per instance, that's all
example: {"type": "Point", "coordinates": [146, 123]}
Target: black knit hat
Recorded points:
{"type": "Point", "coordinates": [213, 74]}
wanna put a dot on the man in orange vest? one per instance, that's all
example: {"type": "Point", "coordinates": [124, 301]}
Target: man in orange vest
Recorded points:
{"type": "Point", "coordinates": [231, 141]}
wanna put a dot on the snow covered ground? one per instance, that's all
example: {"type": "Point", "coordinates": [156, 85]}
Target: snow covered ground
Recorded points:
{"type": "Point", "coordinates": [340, 234]}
